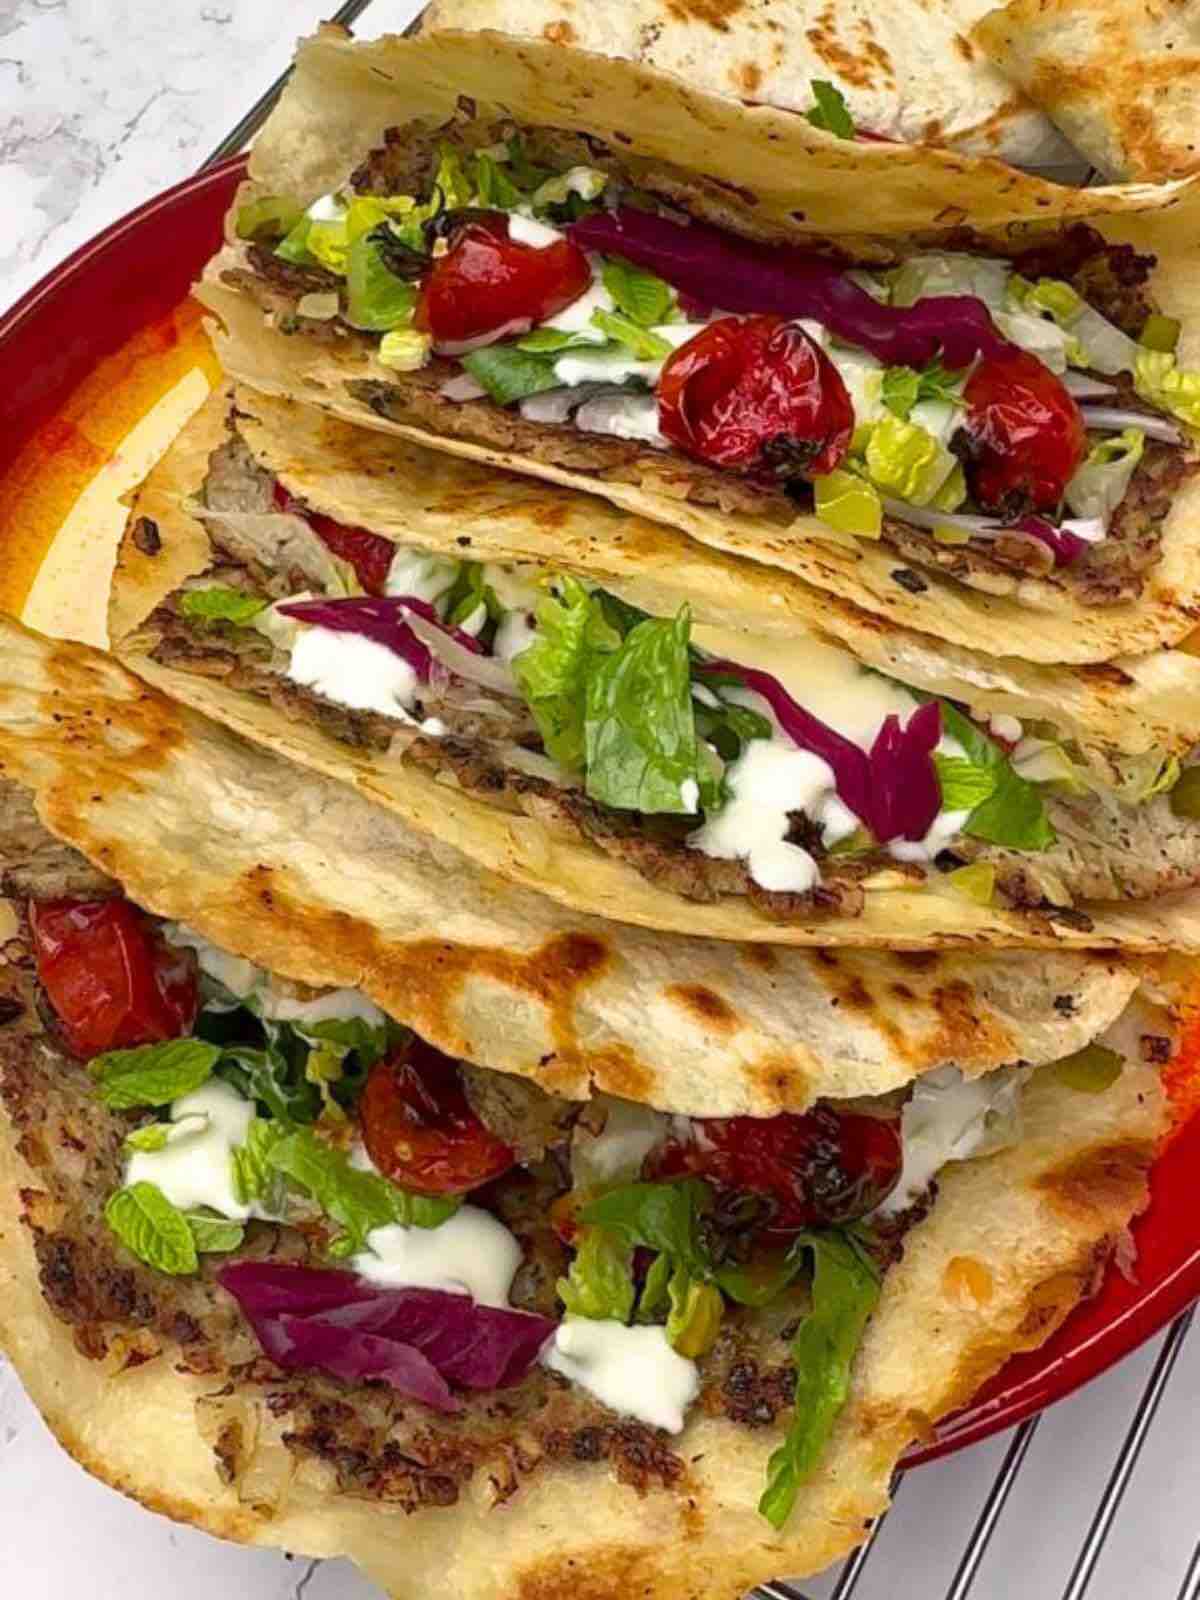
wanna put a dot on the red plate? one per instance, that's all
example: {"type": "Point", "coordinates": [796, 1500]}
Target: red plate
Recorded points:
{"type": "Point", "coordinates": [136, 274]}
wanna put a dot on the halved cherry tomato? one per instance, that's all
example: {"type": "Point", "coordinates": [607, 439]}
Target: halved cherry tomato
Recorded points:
{"type": "Point", "coordinates": [823, 1168]}
{"type": "Point", "coordinates": [756, 394]}
{"type": "Point", "coordinates": [419, 1129]}
{"type": "Point", "coordinates": [112, 980]}
{"type": "Point", "coordinates": [487, 285]}
{"type": "Point", "coordinates": [367, 553]}
{"type": "Point", "coordinates": [1027, 434]}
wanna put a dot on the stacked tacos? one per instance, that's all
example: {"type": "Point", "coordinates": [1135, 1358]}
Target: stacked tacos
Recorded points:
{"type": "Point", "coordinates": [522, 1006]}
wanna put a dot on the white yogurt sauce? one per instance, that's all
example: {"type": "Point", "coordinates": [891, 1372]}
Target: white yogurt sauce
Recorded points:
{"type": "Point", "coordinates": [353, 670]}
{"type": "Point", "coordinates": [195, 1166]}
{"type": "Point", "coordinates": [528, 230]}
{"type": "Point", "coordinates": [616, 1153]}
{"type": "Point", "coordinates": [769, 779]}
{"type": "Point", "coordinates": [470, 1253]}
{"type": "Point", "coordinates": [633, 1371]}
{"type": "Point", "coordinates": [337, 1005]}
{"type": "Point", "coordinates": [577, 317]}
{"type": "Point", "coordinates": [239, 976]}
{"type": "Point", "coordinates": [950, 1119]}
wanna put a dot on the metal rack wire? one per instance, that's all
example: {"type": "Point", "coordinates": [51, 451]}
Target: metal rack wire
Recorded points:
{"type": "Point", "coordinates": [975, 1548]}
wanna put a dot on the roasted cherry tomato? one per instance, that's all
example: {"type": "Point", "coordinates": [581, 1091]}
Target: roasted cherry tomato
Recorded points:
{"type": "Point", "coordinates": [823, 1168]}
{"type": "Point", "coordinates": [488, 285]}
{"type": "Point", "coordinates": [367, 553]}
{"type": "Point", "coordinates": [757, 395]}
{"type": "Point", "coordinates": [419, 1129]}
{"type": "Point", "coordinates": [1027, 436]}
{"type": "Point", "coordinates": [112, 980]}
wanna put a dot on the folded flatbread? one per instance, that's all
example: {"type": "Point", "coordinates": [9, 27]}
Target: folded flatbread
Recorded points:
{"type": "Point", "coordinates": [242, 574]}
{"type": "Point", "coordinates": [221, 1370]}
{"type": "Point", "coordinates": [906, 70]}
{"type": "Point", "coordinates": [1119, 77]}
{"type": "Point", "coordinates": [1077, 547]}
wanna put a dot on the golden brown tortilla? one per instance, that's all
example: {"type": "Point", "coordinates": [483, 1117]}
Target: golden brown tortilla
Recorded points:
{"type": "Point", "coordinates": [1121, 78]}
{"type": "Point", "coordinates": [1011, 1244]}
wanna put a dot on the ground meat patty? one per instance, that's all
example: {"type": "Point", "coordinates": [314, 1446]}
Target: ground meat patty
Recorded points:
{"type": "Point", "coordinates": [519, 1111]}
{"type": "Point", "coordinates": [33, 862]}
{"type": "Point", "coordinates": [378, 1443]}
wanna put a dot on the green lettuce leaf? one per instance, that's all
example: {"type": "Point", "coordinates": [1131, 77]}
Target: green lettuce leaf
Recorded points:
{"type": "Point", "coordinates": [903, 387]}
{"type": "Point", "coordinates": [964, 785]}
{"type": "Point", "coordinates": [152, 1228]}
{"type": "Point", "coordinates": [376, 299]}
{"type": "Point", "coordinates": [641, 342]}
{"type": "Point", "coordinates": [153, 1074]}
{"type": "Point", "coordinates": [1099, 485]}
{"type": "Point", "coordinates": [493, 186]}
{"type": "Point", "coordinates": [274, 1077]}
{"type": "Point", "coordinates": [357, 1201]}
{"type": "Point", "coordinates": [1159, 379]}
{"type": "Point", "coordinates": [221, 604]}
{"type": "Point", "coordinates": [1014, 814]}
{"type": "Point", "coordinates": [644, 298]}
{"type": "Point", "coordinates": [845, 1291]}
{"type": "Point", "coordinates": [254, 1179]}
{"type": "Point", "coordinates": [552, 672]}
{"type": "Point", "coordinates": [600, 1281]}
{"type": "Point", "coordinates": [639, 729]}
{"type": "Point", "coordinates": [508, 373]}
{"type": "Point", "coordinates": [659, 1216]}
{"type": "Point", "coordinates": [271, 216]}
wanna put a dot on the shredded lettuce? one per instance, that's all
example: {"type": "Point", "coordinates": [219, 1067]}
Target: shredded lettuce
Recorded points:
{"type": "Point", "coordinates": [272, 216]}
{"type": "Point", "coordinates": [904, 387]}
{"type": "Point", "coordinates": [905, 460]}
{"type": "Point", "coordinates": [642, 342]}
{"type": "Point", "coordinates": [1013, 813]}
{"type": "Point", "coordinates": [600, 1281]}
{"type": "Point", "coordinates": [510, 373]}
{"type": "Point", "coordinates": [404, 349]}
{"type": "Point", "coordinates": [1093, 341]}
{"type": "Point", "coordinates": [1160, 380]}
{"type": "Point", "coordinates": [644, 298]}
{"type": "Point", "coordinates": [376, 299]}
{"type": "Point", "coordinates": [951, 273]}
{"type": "Point", "coordinates": [849, 503]}
{"type": "Point", "coordinates": [1099, 485]}
{"type": "Point", "coordinates": [588, 183]}
{"type": "Point", "coordinates": [845, 1291]}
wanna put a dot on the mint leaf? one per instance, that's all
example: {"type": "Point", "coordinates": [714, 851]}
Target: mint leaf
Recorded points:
{"type": "Point", "coordinates": [508, 373]}
{"type": "Point", "coordinates": [213, 1235]}
{"type": "Point", "coordinates": [659, 1216]}
{"type": "Point", "coordinates": [644, 298]}
{"type": "Point", "coordinates": [1014, 815]}
{"type": "Point", "coordinates": [831, 111]}
{"type": "Point", "coordinates": [156, 1232]}
{"type": "Point", "coordinates": [254, 1178]}
{"type": "Point", "coordinates": [221, 604]}
{"type": "Point", "coordinates": [964, 785]}
{"type": "Point", "coordinates": [370, 1044]}
{"type": "Point", "coordinates": [600, 1282]}
{"type": "Point", "coordinates": [845, 1291]}
{"type": "Point", "coordinates": [153, 1074]}
{"type": "Point", "coordinates": [639, 728]}
{"type": "Point", "coordinates": [272, 1076]}
{"type": "Point", "coordinates": [641, 342]}
{"type": "Point", "coordinates": [358, 1201]}
{"type": "Point", "coordinates": [904, 386]}
{"type": "Point", "coordinates": [553, 671]}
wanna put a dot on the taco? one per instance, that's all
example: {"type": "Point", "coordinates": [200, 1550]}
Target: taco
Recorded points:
{"type": "Point", "coordinates": [477, 645]}
{"type": "Point", "coordinates": [307, 878]}
{"type": "Point", "coordinates": [313, 1284]}
{"type": "Point", "coordinates": [474, 243]}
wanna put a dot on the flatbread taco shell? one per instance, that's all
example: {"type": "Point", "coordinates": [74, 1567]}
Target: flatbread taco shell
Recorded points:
{"type": "Point", "coordinates": [1010, 1245]}
{"type": "Point", "coordinates": [548, 859]}
{"type": "Point", "coordinates": [764, 173]}
{"type": "Point", "coordinates": [311, 881]}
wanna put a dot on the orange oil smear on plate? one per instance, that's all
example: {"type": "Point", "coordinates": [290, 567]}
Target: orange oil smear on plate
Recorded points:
{"type": "Point", "coordinates": [1181, 1075]}
{"type": "Point", "coordinates": [65, 454]}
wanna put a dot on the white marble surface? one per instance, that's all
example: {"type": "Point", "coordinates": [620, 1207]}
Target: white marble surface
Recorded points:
{"type": "Point", "coordinates": [102, 103]}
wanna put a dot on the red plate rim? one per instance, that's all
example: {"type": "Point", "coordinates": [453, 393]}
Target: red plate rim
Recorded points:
{"type": "Point", "coordinates": [140, 269]}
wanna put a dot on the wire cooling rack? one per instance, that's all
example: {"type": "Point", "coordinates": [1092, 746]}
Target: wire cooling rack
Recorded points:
{"type": "Point", "coordinates": [859, 1575]}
